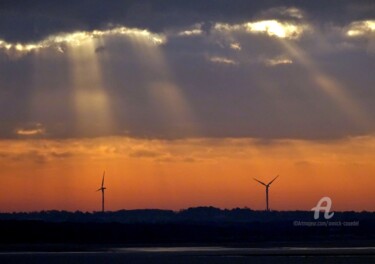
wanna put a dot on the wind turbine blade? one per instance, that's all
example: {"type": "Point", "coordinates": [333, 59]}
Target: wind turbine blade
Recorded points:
{"type": "Point", "coordinates": [99, 189]}
{"type": "Point", "coordinates": [103, 179]}
{"type": "Point", "coordinates": [260, 182]}
{"type": "Point", "coordinates": [273, 180]}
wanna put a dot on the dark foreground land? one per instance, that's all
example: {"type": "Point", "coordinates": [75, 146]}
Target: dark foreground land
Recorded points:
{"type": "Point", "coordinates": [194, 226]}
{"type": "Point", "coordinates": [196, 235]}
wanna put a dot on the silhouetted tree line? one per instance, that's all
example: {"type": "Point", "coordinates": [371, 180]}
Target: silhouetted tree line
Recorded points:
{"type": "Point", "coordinates": [191, 215]}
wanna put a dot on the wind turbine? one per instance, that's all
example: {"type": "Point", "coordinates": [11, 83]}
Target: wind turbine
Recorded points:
{"type": "Point", "coordinates": [102, 188]}
{"type": "Point", "coordinates": [267, 186]}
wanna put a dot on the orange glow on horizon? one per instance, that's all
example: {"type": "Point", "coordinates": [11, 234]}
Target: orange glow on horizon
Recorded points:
{"type": "Point", "coordinates": [64, 174]}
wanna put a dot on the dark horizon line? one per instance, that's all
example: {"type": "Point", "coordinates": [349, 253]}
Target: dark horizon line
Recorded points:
{"type": "Point", "coordinates": [178, 210]}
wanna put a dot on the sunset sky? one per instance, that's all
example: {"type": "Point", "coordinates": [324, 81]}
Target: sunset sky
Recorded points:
{"type": "Point", "coordinates": [182, 103]}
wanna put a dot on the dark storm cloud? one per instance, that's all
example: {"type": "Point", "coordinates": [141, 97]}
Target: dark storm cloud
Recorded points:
{"type": "Point", "coordinates": [234, 82]}
{"type": "Point", "coordinates": [25, 21]}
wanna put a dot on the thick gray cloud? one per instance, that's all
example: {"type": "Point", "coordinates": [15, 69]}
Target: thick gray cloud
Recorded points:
{"type": "Point", "coordinates": [270, 69]}
{"type": "Point", "coordinates": [33, 20]}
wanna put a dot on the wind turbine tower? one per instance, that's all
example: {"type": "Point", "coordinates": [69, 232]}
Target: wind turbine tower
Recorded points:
{"type": "Point", "coordinates": [267, 186]}
{"type": "Point", "coordinates": [102, 188]}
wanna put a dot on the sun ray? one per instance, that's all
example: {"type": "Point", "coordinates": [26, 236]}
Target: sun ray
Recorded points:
{"type": "Point", "coordinates": [165, 92]}
{"type": "Point", "coordinates": [87, 83]}
{"type": "Point", "coordinates": [90, 98]}
{"type": "Point", "coordinates": [329, 85]}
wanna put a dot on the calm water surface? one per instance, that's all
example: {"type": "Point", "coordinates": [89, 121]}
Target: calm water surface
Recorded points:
{"type": "Point", "coordinates": [198, 255]}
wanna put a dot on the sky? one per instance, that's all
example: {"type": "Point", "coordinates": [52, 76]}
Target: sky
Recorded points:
{"type": "Point", "coordinates": [183, 103]}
